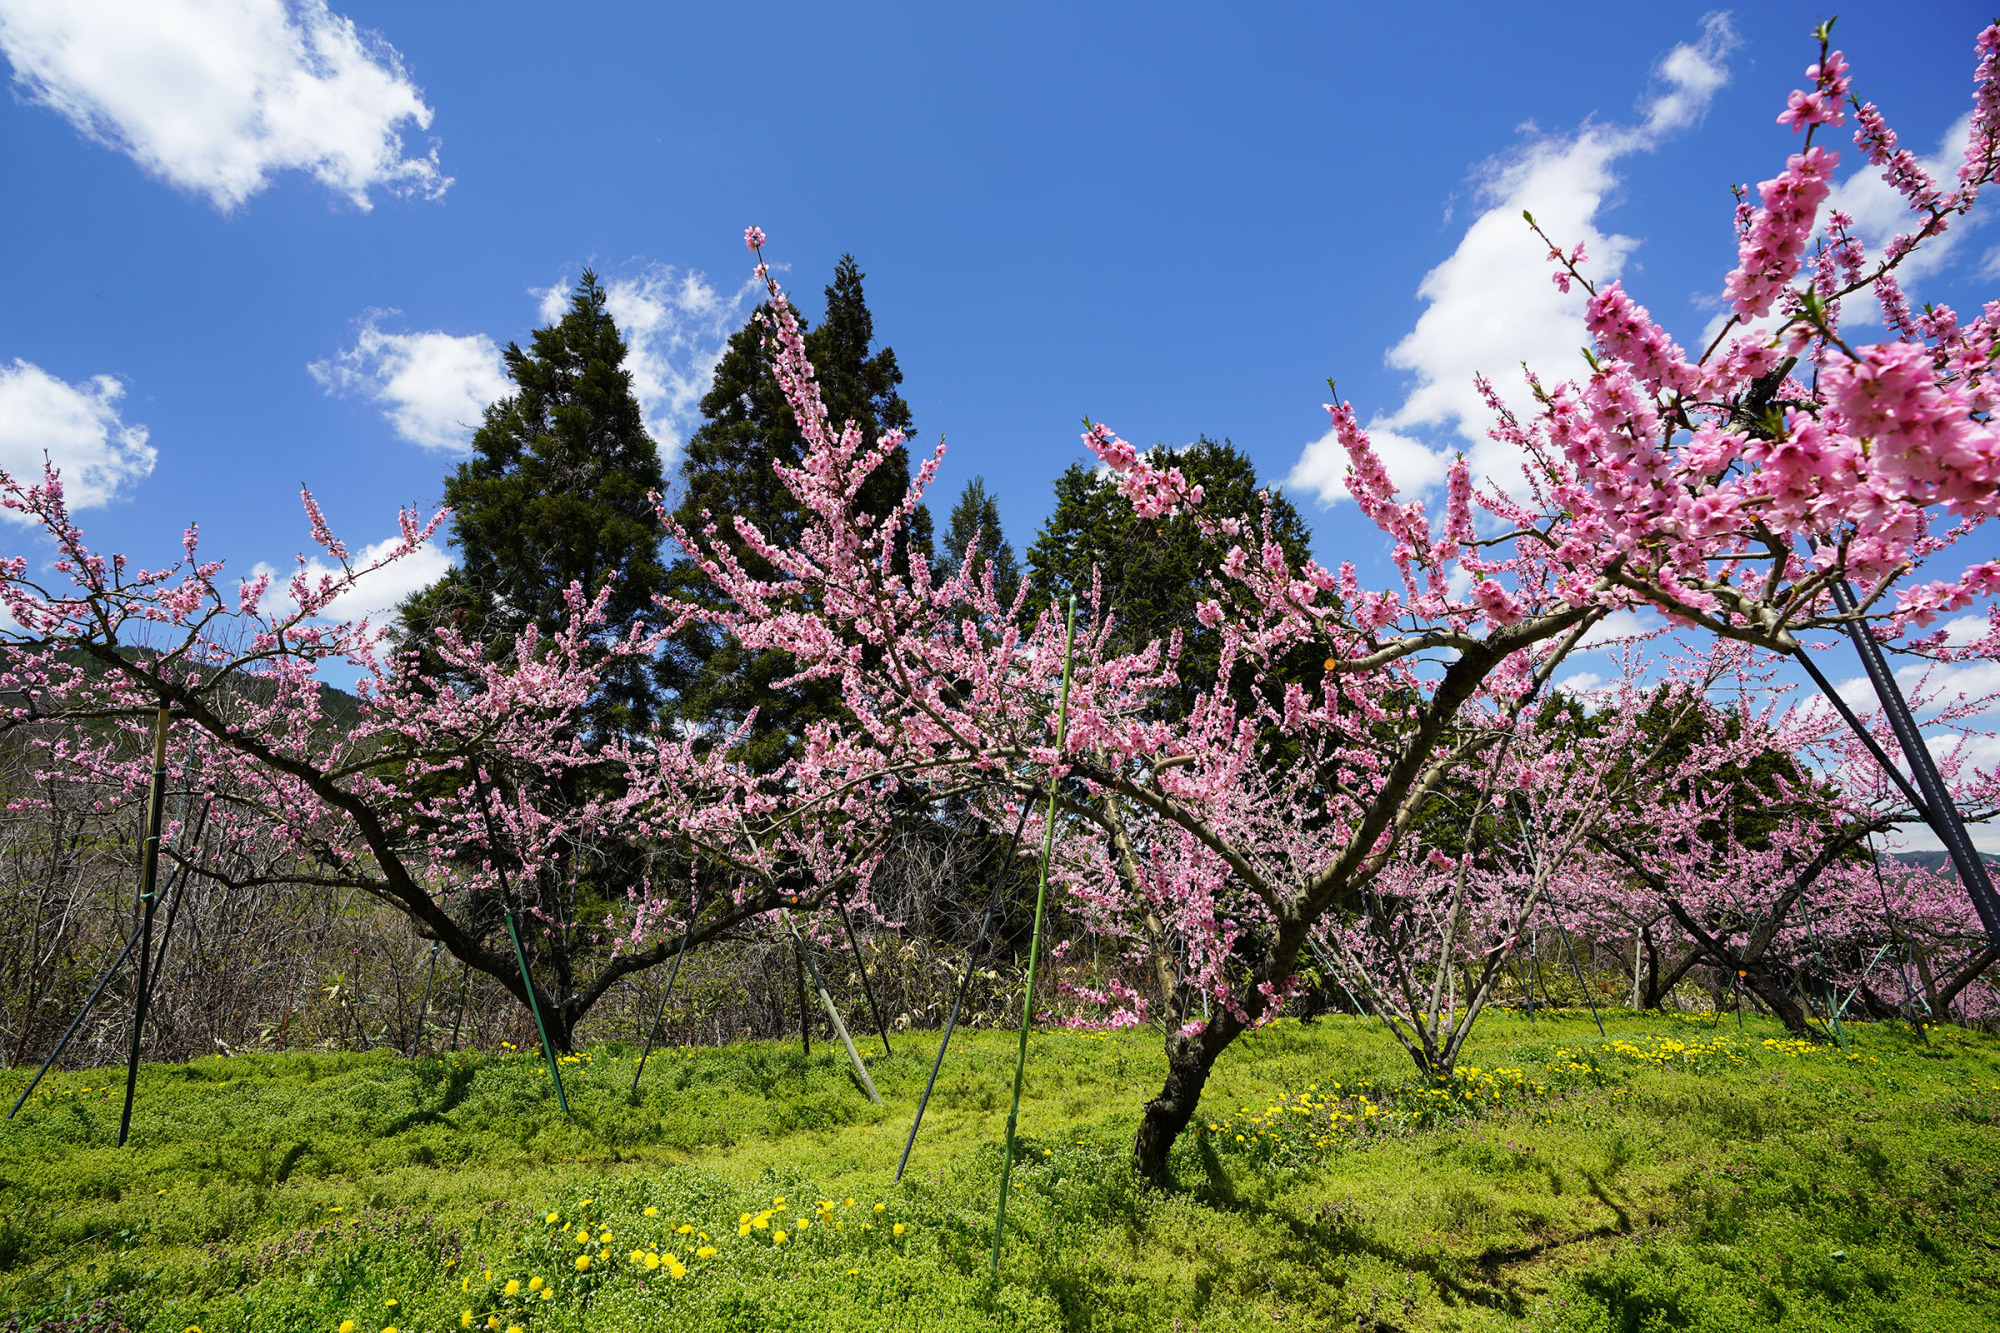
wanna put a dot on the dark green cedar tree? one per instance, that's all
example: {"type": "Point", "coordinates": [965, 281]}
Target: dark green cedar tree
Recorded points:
{"type": "Point", "coordinates": [556, 491]}
{"type": "Point", "coordinates": [1155, 571]}
{"type": "Point", "coordinates": [977, 516]}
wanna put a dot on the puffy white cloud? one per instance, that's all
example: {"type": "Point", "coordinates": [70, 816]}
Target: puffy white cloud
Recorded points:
{"type": "Point", "coordinates": [375, 594]}
{"type": "Point", "coordinates": [676, 326]}
{"type": "Point", "coordinates": [432, 386]}
{"type": "Point", "coordinates": [77, 427]}
{"type": "Point", "coordinates": [1491, 305]}
{"type": "Point", "coordinates": [216, 96]}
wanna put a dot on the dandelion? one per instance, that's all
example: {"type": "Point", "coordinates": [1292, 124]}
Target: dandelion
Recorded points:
{"type": "Point", "coordinates": [684, 1230]}
{"type": "Point", "coordinates": [389, 1304]}
{"type": "Point", "coordinates": [705, 1252]}
{"type": "Point", "coordinates": [583, 1263]}
{"type": "Point", "coordinates": [465, 1319]}
{"type": "Point", "coordinates": [347, 1326]}
{"type": "Point", "coordinates": [777, 1238]}
{"type": "Point", "coordinates": [536, 1284]}
{"type": "Point", "coordinates": [513, 1287]}
{"type": "Point", "coordinates": [652, 1212]}
{"type": "Point", "coordinates": [899, 1228]}
{"type": "Point", "coordinates": [553, 1218]}
{"type": "Point", "coordinates": [651, 1260]}
{"type": "Point", "coordinates": [582, 1236]}
{"type": "Point", "coordinates": [880, 1206]}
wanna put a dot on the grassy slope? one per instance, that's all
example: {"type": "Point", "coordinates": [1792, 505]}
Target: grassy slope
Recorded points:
{"type": "Point", "coordinates": [1682, 1176]}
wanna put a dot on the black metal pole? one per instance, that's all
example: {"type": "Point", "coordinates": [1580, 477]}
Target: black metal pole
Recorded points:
{"type": "Point", "coordinates": [424, 1003]}
{"type": "Point", "coordinates": [75, 1023]}
{"type": "Point", "coordinates": [694, 910]}
{"type": "Point", "coordinates": [1577, 968]}
{"type": "Point", "coordinates": [861, 967]}
{"type": "Point", "coordinates": [149, 876]}
{"type": "Point", "coordinates": [1943, 813]}
{"type": "Point", "coordinates": [964, 984]}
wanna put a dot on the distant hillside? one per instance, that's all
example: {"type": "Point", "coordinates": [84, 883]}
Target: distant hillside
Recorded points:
{"type": "Point", "coordinates": [1941, 861]}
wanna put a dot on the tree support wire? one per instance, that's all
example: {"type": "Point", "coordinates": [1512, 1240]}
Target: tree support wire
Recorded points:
{"type": "Point", "coordinates": [514, 934]}
{"type": "Point", "coordinates": [805, 1014]}
{"type": "Point", "coordinates": [964, 984]}
{"type": "Point", "coordinates": [1935, 804]}
{"type": "Point", "coordinates": [1035, 939]}
{"type": "Point", "coordinates": [653, 1034]}
{"type": "Point", "coordinates": [149, 879]}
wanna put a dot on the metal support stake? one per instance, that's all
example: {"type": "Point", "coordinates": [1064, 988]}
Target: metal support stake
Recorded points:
{"type": "Point", "coordinates": [965, 983]}
{"type": "Point", "coordinates": [832, 1013]}
{"type": "Point", "coordinates": [424, 1003]}
{"type": "Point", "coordinates": [514, 934]}
{"type": "Point", "coordinates": [149, 876]}
{"type": "Point", "coordinates": [694, 910]}
{"type": "Point", "coordinates": [464, 993]}
{"type": "Point", "coordinates": [805, 1014]}
{"type": "Point", "coordinates": [75, 1023]}
{"type": "Point", "coordinates": [1943, 815]}
{"type": "Point", "coordinates": [1035, 940]}
{"type": "Point", "coordinates": [867, 988]}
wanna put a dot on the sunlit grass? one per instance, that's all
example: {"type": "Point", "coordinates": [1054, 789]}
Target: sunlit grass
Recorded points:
{"type": "Point", "coordinates": [1674, 1174]}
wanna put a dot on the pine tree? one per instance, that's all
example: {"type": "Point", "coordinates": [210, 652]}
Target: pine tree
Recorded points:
{"type": "Point", "coordinates": [728, 471]}
{"type": "Point", "coordinates": [977, 516]}
{"type": "Point", "coordinates": [556, 490]}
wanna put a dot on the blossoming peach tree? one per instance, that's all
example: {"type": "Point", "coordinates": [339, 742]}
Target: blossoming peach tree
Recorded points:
{"type": "Point", "coordinates": [1732, 491]}
{"type": "Point", "coordinates": [433, 798]}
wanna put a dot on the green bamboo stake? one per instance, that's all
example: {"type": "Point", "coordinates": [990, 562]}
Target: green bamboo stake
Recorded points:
{"type": "Point", "coordinates": [514, 934]}
{"type": "Point", "coordinates": [1035, 941]}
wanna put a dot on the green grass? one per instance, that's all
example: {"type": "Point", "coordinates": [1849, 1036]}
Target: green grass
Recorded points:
{"type": "Point", "coordinates": [1680, 1176]}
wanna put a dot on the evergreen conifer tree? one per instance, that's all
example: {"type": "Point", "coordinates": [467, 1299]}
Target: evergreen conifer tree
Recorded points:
{"type": "Point", "coordinates": [976, 515]}
{"type": "Point", "coordinates": [556, 491]}
{"type": "Point", "coordinates": [1151, 568]}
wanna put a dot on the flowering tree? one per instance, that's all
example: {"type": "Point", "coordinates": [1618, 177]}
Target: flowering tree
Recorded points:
{"type": "Point", "coordinates": [1726, 490]}
{"type": "Point", "coordinates": [431, 798]}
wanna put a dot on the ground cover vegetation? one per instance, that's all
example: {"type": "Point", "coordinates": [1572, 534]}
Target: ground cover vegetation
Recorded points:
{"type": "Point", "coordinates": [737, 756]}
{"type": "Point", "coordinates": [1677, 1173]}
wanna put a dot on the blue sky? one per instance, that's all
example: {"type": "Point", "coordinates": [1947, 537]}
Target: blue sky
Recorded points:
{"type": "Point", "coordinates": [1175, 219]}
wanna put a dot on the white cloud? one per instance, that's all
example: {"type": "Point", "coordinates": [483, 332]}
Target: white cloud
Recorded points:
{"type": "Point", "coordinates": [1880, 214]}
{"type": "Point", "coordinates": [77, 427]}
{"type": "Point", "coordinates": [215, 96]}
{"type": "Point", "coordinates": [433, 386]}
{"type": "Point", "coordinates": [1580, 684]}
{"type": "Point", "coordinates": [1491, 305]}
{"type": "Point", "coordinates": [375, 594]}
{"type": "Point", "coordinates": [1616, 627]}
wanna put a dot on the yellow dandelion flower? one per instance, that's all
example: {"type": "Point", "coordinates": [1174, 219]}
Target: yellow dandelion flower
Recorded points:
{"type": "Point", "coordinates": [513, 1287]}
{"type": "Point", "coordinates": [582, 1237]}
{"type": "Point", "coordinates": [684, 1230]}
{"type": "Point", "coordinates": [847, 1202]}
{"type": "Point", "coordinates": [465, 1319]}
{"type": "Point", "coordinates": [583, 1263]}
{"type": "Point", "coordinates": [347, 1326]}
{"type": "Point", "coordinates": [777, 1238]}
{"type": "Point", "coordinates": [390, 1303]}
{"type": "Point", "coordinates": [548, 1293]}
{"type": "Point", "coordinates": [650, 1260]}
{"type": "Point", "coordinates": [554, 1218]}
{"type": "Point", "coordinates": [743, 1230]}
{"type": "Point", "coordinates": [705, 1252]}
{"type": "Point", "coordinates": [652, 1212]}
{"type": "Point", "coordinates": [676, 1267]}
{"type": "Point", "coordinates": [536, 1284]}
{"type": "Point", "coordinates": [899, 1228]}
{"type": "Point", "coordinates": [493, 1321]}
{"type": "Point", "coordinates": [880, 1206]}
{"type": "Point", "coordinates": [778, 1202]}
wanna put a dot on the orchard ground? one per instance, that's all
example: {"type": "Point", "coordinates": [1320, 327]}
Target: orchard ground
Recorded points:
{"type": "Point", "coordinates": [1681, 1174]}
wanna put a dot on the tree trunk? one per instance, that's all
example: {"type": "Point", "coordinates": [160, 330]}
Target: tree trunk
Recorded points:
{"type": "Point", "coordinates": [1189, 1059]}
